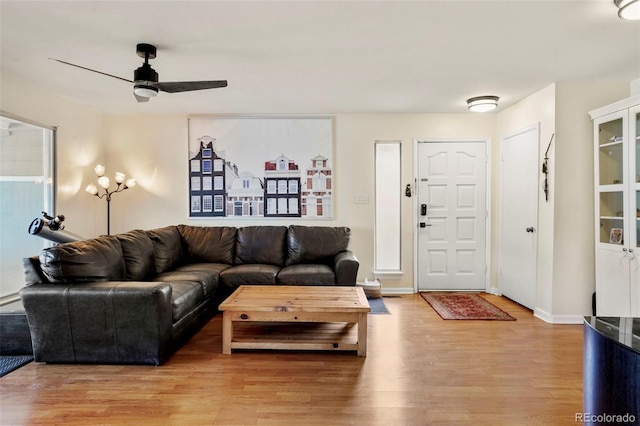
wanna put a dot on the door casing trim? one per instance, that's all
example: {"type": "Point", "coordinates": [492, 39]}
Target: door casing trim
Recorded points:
{"type": "Point", "coordinates": [414, 216]}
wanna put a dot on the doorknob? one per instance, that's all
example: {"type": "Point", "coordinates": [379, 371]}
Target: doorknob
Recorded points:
{"type": "Point", "coordinates": [530, 229]}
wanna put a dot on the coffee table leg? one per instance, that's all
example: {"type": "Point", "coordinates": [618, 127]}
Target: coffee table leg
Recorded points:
{"type": "Point", "coordinates": [227, 333]}
{"type": "Point", "coordinates": [362, 334]}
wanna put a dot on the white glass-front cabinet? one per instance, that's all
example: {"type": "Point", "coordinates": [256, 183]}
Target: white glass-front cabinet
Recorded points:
{"type": "Point", "coordinates": [617, 203]}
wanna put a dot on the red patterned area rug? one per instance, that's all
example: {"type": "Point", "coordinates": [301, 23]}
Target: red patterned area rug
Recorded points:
{"type": "Point", "coordinates": [464, 306]}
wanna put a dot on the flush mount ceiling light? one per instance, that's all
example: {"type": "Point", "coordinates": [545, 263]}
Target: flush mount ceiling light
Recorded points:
{"type": "Point", "coordinates": [482, 103]}
{"type": "Point", "coordinates": [628, 9]}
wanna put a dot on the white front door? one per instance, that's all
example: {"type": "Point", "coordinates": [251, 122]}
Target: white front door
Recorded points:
{"type": "Point", "coordinates": [452, 215]}
{"type": "Point", "coordinates": [519, 216]}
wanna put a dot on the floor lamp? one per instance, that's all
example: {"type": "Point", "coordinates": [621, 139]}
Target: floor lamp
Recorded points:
{"type": "Point", "coordinates": [104, 183]}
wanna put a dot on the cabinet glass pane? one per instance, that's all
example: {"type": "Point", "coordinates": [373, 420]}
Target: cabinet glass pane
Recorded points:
{"type": "Point", "coordinates": [637, 218]}
{"type": "Point", "coordinates": [611, 217]}
{"type": "Point", "coordinates": [611, 155]}
{"type": "Point", "coordinates": [637, 149]}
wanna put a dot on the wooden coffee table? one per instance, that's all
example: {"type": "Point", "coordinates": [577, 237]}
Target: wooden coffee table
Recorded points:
{"type": "Point", "coordinates": [295, 317]}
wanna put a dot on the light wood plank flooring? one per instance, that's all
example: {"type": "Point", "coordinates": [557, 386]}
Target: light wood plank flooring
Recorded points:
{"type": "Point", "coordinates": [419, 370]}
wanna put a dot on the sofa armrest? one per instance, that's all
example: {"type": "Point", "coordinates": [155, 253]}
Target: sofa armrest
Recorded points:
{"type": "Point", "coordinates": [113, 322]}
{"type": "Point", "coordinates": [346, 268]}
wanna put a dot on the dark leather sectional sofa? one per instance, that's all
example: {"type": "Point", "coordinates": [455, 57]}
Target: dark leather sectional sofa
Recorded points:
{"type": "Point", "coordinates": [134, 298]}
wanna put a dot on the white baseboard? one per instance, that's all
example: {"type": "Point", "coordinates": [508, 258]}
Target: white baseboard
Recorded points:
{"type": "Point", "coordinates": [557, 319]}
{"type": "Point", "coordinates": [382, 275]}
{"type": "Point", "coordinates": [495, 291]}
{"type": "Point", "coordinates": [396, 290]}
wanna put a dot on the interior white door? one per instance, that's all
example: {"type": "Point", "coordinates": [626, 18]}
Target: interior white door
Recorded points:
{"type": "Point", "coordinates": [519, 216]}
{"type": "Point", "coordinates": [452, 215]}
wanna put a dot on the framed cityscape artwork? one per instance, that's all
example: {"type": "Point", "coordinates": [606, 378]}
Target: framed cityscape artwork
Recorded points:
{"type": "Point", "coordinates": [261, 167]}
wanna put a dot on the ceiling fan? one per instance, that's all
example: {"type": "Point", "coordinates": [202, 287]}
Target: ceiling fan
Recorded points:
{"type": "Point", "coordinates": [145, 79]}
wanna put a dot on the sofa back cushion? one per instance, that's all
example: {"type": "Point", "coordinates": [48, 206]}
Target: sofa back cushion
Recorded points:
{"type": "Point", "coordinates": [261, 244]}
{"type": "Point", "coordinates": [316, 244]}
{"type": "Point", "coordinates": [32, 271]}
{"type": "Point", "coordinates": [97, 259]}
{"type": "Point", "coordinates": [167, 248]}
{"type": "Point", "coordinates": [213, 244]}
{"type": "Point", "coordinates": [139, 256]}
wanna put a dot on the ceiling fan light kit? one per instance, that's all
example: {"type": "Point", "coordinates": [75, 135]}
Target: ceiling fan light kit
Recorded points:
{"type": "Point", "coordinates": [482, 103]}
{"type": "Point", "coordinates": [145, 91]}
{"type": "Point", "coordinates": [145, 79]}
{"type": "Point", "coordinates": [628, 9]}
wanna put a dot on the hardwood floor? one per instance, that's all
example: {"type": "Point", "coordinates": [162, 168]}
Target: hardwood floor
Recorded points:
{"type": "Point", "coordinates": [419, 370]}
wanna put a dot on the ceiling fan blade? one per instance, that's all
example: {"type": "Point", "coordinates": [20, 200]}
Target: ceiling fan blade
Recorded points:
{"type": "Point", "coordinates": [188, 86]}
{"type": "Point", "coordinates": [141, 98]}
{"type": "Point", "coordinates": [89, 69]}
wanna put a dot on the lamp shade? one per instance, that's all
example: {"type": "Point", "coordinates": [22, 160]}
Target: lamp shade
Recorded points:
{"type": "Point", "coordinates": [628, 9]}
{"type": "Point", "coordinates": [131, 183]}
{"type": "Point", "coordinates": [92, 189]}
{"type": "Point", "coordinates": [482, 103]}
{"type": "Point", "coordinates": [119, 177]}
{"type": "Point", "coordinates": [99, 169]}
{"type": "Point", "coordinates": [103, 181]}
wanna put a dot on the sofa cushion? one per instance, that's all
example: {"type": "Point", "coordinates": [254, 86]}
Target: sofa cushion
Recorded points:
{"type": "Point", "coordinates": [139, 257]}
{"type": "Point", "coordinates": [248, 275]}
{"type": "Point", "coordinates": [167, 247]}
{"type": "Point", "coordinates": [207, 280]}
{"type": "Point", "coordinates": [316, 244]}
{"type": "Point", "coordinates": [261, 244]}
{"type": "Point", "coordinates": [306, 274]}
{"type": "Point", "coordinates": [214, 268]}
{"type": "Point", "coordinates": [32, 271]}
{"type": "Point", "coordinates": [97, 259]}
{"type": "Point", "coordinates": [185, 296]}
{"type": "Point", "coordinates": [214, 244]}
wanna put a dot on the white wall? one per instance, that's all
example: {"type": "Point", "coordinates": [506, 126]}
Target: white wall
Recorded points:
{"type": "Point", "coordinates": [153, 149]}
{"type": "Point", "coordinates": [79, 146]}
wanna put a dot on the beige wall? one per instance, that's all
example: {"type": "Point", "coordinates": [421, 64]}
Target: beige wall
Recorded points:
{"type": "Point", "coordinates": [153, 149]}
{"type": "Point", "coordinates": [574, 240]}
{"type": "Point", "coordinates": [80, 144]}
{"type": "Point", "coordinates": [539, 108]}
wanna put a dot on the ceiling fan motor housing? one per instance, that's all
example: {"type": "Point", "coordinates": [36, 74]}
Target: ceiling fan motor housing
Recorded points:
{"type": "Point", "coordinates": [145, 77]}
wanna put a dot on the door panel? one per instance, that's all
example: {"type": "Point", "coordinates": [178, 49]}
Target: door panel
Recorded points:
{"type": "Point", "coordinates": [519, 217]}
{"type": "Point", "coordinates": [452, 238]}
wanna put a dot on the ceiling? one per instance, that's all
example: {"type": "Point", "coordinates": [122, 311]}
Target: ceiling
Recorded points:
{"type": "Point", "coordinates": [317, 56]}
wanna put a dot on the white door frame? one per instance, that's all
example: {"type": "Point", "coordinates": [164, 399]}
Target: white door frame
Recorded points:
{"type": "Point", "coordinates": [414, 216]}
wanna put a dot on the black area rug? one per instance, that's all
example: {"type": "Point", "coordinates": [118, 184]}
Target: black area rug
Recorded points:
{"type": "Point", "coordinates": [378, 307]}
{"type": "Point", "coordinates": [11, 363]}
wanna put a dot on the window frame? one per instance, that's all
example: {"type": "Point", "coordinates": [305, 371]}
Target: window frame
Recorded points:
{"type": "Point", "coordinates": [49, 181]}
{"type": "Point", "coordinates": [387, 193]}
